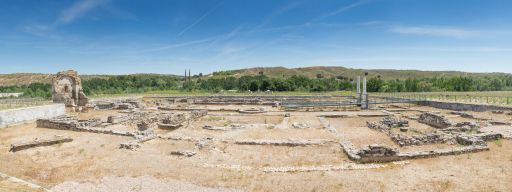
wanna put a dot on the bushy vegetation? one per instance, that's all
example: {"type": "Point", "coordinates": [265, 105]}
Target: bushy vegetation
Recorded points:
{"type": "Point", "coordinates": [263, 83]}
{"type": "Point", "coordinates": [142, 83]}
{"type": "Point", "coordinates": [458, 84]}
{"type": "Point", "coordinates": [130, 84]}
{"type": "Point", "coordinates": [42, 90]}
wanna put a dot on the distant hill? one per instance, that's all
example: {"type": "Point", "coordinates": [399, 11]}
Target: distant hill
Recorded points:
{"type": "Point", "coordinates": [28, 78]}
{"type": "Point", "coordinates": [311, 72]}
{"type": "Point", "coordinates": [386, 74]}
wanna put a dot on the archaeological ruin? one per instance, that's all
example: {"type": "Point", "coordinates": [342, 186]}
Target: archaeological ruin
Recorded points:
{"type": "Point", "coordinates": [67, 89]}
{"type": "Point", "coordinates": [261, 134]}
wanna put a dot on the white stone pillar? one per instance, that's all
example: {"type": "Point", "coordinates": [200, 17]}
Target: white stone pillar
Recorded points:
{"type": "Point", "coordinates": [364, 98]}
{"type": "Point", "coordinates": [364, 85]}
{"type": "Point", "coordinates": [358, 85]}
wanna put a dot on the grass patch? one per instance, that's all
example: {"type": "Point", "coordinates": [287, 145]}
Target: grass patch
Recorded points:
{"type": "Point", "coordinates": [498, 142]}
{"type": "Point", "coordinates": [213, 118]}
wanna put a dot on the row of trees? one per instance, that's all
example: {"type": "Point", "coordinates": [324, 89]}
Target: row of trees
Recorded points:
{"type": "Point", "coordinates": [147, 82]}
{"type": "Point", "coordinates": [263, 83]}
{"type": "Point", "coordinates": [42, 90]}
{"type": "Point", "coordinates": [130, 84]}
{"type": "Point", "coordinates": [461, 83]}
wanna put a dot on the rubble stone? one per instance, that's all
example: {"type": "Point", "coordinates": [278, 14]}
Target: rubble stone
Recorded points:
{"type": "Point", "coordinates": [114, 119]}
{"type": "Point", "coordinates": [462, 114]}
{"type": "Point", "coordinates": [131, 145]}
{"type": "Point", "coordinates": [435, 120]}
{"type": "Point", "coordinates": [184, 153]}
{"type": "Point", "coordinates": [300, 125]}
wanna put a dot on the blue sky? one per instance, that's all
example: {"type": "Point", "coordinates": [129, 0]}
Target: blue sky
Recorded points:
{"type": "Point", "coordinates": [167, 36]}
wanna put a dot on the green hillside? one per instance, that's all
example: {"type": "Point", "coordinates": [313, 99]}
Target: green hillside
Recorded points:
{"type": "Point", "coordinates": [386, 74]}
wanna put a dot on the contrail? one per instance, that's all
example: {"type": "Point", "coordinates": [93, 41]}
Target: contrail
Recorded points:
{"type": "Point", "coordinates": [199, 19]}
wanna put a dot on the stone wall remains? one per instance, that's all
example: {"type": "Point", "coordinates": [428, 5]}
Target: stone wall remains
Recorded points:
{"type": "Point", "coordinates": [462, 106]}
{"type": "Point", "coordinates": [435, 120]}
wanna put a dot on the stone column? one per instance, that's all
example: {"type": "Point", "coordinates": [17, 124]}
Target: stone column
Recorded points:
{"type": "Point", "coordinates": [359, 90]}
{"type": "Point", "coordinates": [364, 98]}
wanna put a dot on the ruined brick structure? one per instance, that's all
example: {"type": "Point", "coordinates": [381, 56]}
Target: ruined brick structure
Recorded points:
{"type": "Point", "coordinates": [67, 89]}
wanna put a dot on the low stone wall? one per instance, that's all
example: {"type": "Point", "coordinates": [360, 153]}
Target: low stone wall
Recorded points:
{"type": "Point", "coordinates": [380, 154]}
{"type": "Point", "coordinates": [462, 106]}
{"type": "Point", "coordinates": [21, 115]}
{"type": "Point", "coordinates": [39, 142]}
{"type": "Point", "coordinates": [386, 125]}
{"type": "Point", "coordinates": [73, 124]}
{"type": "Point", "coordinates": [434, 120]}
{"type": "Point", "coordinates": [289, 143]}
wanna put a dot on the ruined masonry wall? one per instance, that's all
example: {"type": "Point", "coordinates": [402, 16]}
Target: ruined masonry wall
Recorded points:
{"type": "Point", "coordinates": [21, 115]}
{"type": "Point", "coordinates": [462, 106]}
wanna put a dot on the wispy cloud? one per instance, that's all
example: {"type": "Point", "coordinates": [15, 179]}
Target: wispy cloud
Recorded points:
{"type": "Point", "coordinates": [462, 49]}
{"type": "Point", "coordinates": [340, 10]}
{"type": "Point", "coordinates": [68, 15]}
{"type": "Point", "coordinates": [77, 10]}
{"type": "Point", "coordinates": [226, 37]}
{"type": "Point", "coordinates": [434, 31]}
{"type": "Point", "coordinates": [281, 10]}
{"type": "Point", "coordinates": [199, 19]}
{"type": "Point", "coordinates": [177, 45]}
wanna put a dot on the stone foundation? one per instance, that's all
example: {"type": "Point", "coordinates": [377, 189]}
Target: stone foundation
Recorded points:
{"type": "Point", "coordinates": [435, 120]}
{"type": "Point", "coordinates": [289, 143]}
{"type": "Point", "coordinates": [38, 142]}
{"type": "Point", "coordinates": [73, 124]}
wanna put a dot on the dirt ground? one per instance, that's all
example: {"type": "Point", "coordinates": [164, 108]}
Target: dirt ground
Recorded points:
{"type": "Point", "coordinates": [94, 162]}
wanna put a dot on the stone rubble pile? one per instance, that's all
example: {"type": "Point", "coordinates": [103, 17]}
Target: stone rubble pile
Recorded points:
{"type": "Point", "coordinates": [388, 122]}
{"type": "Point", "coordinates": [464, 126]}
{"type": "Point", "coordinates": [185, 153]}
{"type": "Point", "coordinates": [300, 125]}
{"type": "Point", "coordinates": [147, 123]}
{"type": "Point", "coordinates": [120, 104]}
{"type": "Point", "coordinates": [206, 143]}
{"type": "Point", "coordinates": [130, 145]}
{"type": "Point", "coordinates": [175, 120]}
{"type": "Point", "coordinates": [435, 120]}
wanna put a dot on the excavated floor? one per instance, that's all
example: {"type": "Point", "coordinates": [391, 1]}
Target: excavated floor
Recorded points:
{"type": "Point", "coordinates": [220, 164]}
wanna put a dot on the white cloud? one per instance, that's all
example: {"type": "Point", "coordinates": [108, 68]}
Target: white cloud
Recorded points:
{"type": "Point", "coordinates": [77, 10]}
{"type": "Point", "coordinates": [435, 31]}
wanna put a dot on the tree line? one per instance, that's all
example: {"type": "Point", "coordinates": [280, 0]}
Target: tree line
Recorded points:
{"type": "Point", "coordinates": [142, 83]}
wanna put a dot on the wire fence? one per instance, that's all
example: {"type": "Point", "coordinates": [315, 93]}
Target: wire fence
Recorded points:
{"type": "Point", "coordinates": [455, 97]}
{"type": "Point", "coordinates": [13, 103]}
